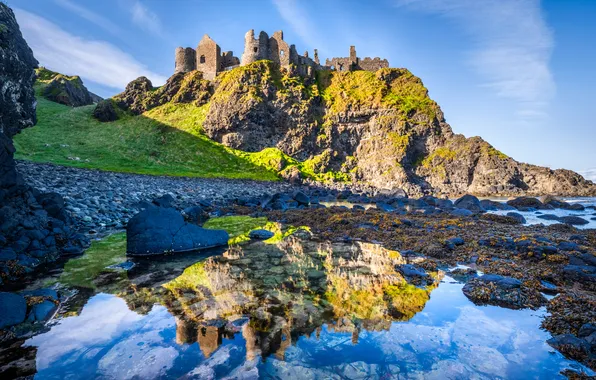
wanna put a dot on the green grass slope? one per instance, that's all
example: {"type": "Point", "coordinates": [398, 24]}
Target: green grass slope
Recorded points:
{"type": "Point", "coordinates": [164, 141]}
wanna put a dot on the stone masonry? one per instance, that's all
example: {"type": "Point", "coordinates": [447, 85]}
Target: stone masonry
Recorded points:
{"type": "Point", "coordinates": [209, 59]}
{"type": "Point", "coordinates": [352, 62]}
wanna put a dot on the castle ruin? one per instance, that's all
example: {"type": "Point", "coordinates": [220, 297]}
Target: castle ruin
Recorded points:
{"type": "Point", "coordinates": [353, 63]}
{"type": "Point", "coordinates": [208, 57]}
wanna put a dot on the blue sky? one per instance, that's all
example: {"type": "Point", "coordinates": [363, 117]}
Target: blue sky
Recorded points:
{"type": "Point", "coordinates": [519, 73]}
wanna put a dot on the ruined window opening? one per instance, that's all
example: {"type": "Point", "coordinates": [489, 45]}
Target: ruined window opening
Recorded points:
{"type": "Point", "coordinates": [341, 67]}
{"type": "Point", "coordinates": [202, 59]}
{"type": "Point", "coordinates": [282, 53]}
{"type": "Point", "coordinates": [332, 67]}
{"type": "Point", "coordinates": [256, 49]}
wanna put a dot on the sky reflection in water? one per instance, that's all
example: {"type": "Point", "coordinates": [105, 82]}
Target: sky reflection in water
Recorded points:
{"type": "Point", "coordinates": [450, 338]}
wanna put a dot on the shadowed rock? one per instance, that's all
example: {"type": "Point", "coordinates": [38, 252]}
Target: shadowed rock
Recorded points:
{"type": "Point", "coordinates": [159, 230]}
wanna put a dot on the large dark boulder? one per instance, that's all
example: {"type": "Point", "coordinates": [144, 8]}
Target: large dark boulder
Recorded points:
{"type": "Point", "coordinates": [158, 230]}
{"type": "Point", "coordinates": [517, 216]}
{"type": "Point", "coordinates": [525, 202]}
{"type": "Point", "coordinates": [508, 292]}
{"type": "Point", "coordinates": [573, 220]}
{"type": "Point", "coordinates": [13, 309]}
{"type": "Point", "coordinates": [105, 111]}
{"type": "Point", "coordinates": [67, 90]}
{"type": "Point", "coordinates": [469, 202]}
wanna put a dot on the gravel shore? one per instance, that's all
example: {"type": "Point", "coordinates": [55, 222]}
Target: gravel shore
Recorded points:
{"type": "Point", "coordinates": [100, 199]}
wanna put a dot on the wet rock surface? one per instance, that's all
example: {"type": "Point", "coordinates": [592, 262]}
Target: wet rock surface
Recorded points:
{"type": "Point", "coordinates": [502, 291]}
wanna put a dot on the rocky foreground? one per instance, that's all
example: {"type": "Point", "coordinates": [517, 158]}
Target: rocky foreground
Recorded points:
{"type": "Point", "coordinates": [511, 265]}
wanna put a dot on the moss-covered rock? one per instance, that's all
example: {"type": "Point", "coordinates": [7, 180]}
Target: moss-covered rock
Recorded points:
{"type": "Point", "coordinates": [105, 111]}
{"type": "Point", "coordinates": [64, 89]}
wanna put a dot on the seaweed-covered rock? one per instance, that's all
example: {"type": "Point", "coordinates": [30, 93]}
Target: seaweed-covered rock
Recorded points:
{"type": "Point", "coordinates": [570, 346]}
{"type": "Point", "coordinates": [105, 111]}
{"type": "Point", "coordinates": [502, 291]}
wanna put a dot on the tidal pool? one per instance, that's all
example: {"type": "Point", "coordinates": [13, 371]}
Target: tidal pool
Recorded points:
{"type": "Point", "coordinates": [294, 309]}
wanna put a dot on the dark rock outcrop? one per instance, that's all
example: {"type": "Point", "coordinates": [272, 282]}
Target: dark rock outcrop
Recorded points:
{"type": "Point", "coordinates": [33, 227]}
{"type": "Point", "coordinates": [502, 291]}
{"type": "Point", "coordinates": [158, 230]}
{"type": "Point", "coordinates": [67, 90]}
{"type": "Point", "coordinates": [573, 220]}
{"type": "Point", "coordinates": [105, 111]}
{"type": "Point", "coordinates": [139, 95]}
{"type": "Point", "coordinates": [526, 202]}
{"type": "Point", "coordinates": [469, 202]}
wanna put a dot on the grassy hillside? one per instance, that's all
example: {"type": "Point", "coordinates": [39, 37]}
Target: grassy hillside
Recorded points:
{"type": "Point", "coordinates": [164, 141]}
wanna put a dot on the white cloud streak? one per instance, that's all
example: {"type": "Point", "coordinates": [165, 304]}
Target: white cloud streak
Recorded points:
{"type": "Point", "coordinates": [295, 15]}
{"type": "Point", "coordinates": [146, 19]}
{"type": "Point", "coordinates": [589, 174]}
{"type": "Point", "coordinates": [90, 16]}
{"type": "Point", "coordinates": [512, 46]}
{"type": "Point", "coordinates": [97, 61]}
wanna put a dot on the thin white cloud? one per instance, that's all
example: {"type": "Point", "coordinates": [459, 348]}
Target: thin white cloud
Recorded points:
{"type": "Point", "coordinates": [512, 46]}
{"type": "Point", "coordinates": [90, 16]}
{"type": "Point", "coordinates": [589, 174]}
{"type": "Point", "coordinates": [295, 15]}
{"type": "Point", "coordinates": [97, 61]}
{"type": "Point", "coordinates": [146, 19]}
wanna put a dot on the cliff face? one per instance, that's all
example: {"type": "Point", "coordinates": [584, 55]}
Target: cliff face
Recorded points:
{"type": "Point", "coordinates": [17, 99]}
{"type": "Point", "coordinates": [34, 227]}
{"type": "Point", "coordinates": [375, 128]}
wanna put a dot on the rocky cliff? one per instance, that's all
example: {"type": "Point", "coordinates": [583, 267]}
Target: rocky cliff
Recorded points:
{"type": "Point", "coordinates": [34, 227]}
{"type": "Point", "coordinates": [379, 129]}
{"type": "Point", "coordinates": [64, 89]}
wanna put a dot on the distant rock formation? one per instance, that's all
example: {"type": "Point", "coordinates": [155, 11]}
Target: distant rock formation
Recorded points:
{"type": "Point", "coordinates": [34, 227]}
{"type": "Point", "coordinates": [63, 89]}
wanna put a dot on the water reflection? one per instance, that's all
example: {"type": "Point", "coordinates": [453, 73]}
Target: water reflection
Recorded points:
{"type": "Point", "coordinates": [297, 309]}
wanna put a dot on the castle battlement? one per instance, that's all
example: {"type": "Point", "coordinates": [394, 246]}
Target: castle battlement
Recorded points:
{"type": "Point", "coordinates": [209, 59]}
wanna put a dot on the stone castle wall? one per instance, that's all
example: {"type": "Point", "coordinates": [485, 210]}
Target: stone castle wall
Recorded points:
{"type": "Point", "coordinates": [209, 59]}
{"type": "Point", "coordinates": [372, 64]}
{"type": "Point", "coordinates": [186, 60]}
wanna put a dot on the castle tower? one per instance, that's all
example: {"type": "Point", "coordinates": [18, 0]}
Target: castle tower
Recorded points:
{"type": "Point", "coordinates": [317, 57]}
{"type": "Point", "coordinates": [251, 48]}
{"type": "Point", "coordinates": [353, 56]}
{"type": "Point", "coordinates": [255, 49]}
{"type": "Point", "coordinates": [185, 60]}
{"type": "Point", "coordinates": [208, 57]}
{"type": "Point", "coordinates": [279, 50]}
